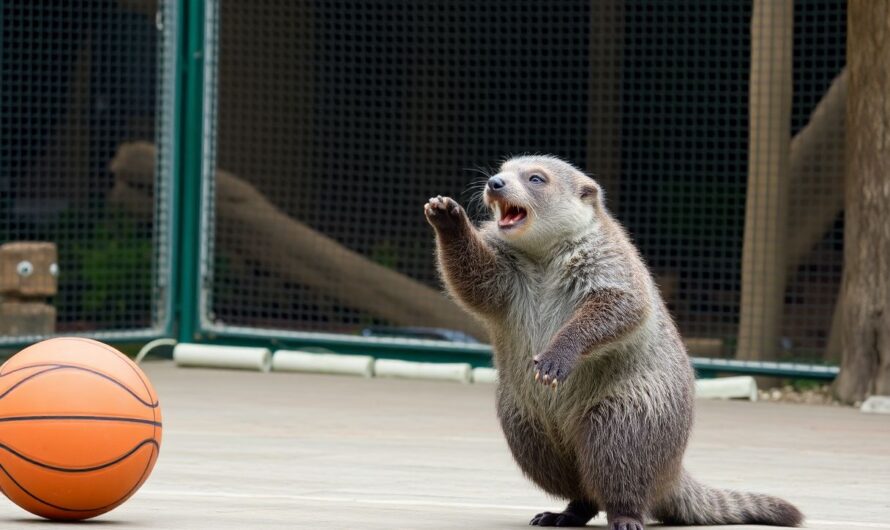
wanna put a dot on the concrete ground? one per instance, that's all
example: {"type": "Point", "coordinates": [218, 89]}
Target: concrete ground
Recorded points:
{"type": "Point", "coordinates": [248, 450]}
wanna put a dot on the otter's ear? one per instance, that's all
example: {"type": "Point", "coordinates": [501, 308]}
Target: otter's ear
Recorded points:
{"type": "Point", "coordinates": [591, 193]}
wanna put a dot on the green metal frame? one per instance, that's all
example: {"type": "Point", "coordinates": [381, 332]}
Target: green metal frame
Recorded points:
{"type": "Point", "coordinates": [405, 349]}
{"type": "Point", "coordinates": [708, 367]}
{"type": "Point", "coordinates": [191, 166]}
{"type": "Point", "coordinates": [481, 355]}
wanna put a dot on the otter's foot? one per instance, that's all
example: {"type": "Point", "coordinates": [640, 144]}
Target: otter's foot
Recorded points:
{"type": "Point", "coordinates": [445, 214]}
{"type": "Point", "coordinates": [625, 522]}
{"type": "Point", "coordinates": [577, 513]}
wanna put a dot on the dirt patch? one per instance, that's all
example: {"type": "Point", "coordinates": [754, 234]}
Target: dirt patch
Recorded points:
{"type": "Point", "coordinates": [815, 395]}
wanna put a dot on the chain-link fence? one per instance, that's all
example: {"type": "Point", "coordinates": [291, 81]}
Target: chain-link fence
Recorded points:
{"type": "Point", "coordinates": [716, 129]}
{"type": "Point", "coordinates": [86, 147]}
{"type": "Point", "coordinates": [333, 122]}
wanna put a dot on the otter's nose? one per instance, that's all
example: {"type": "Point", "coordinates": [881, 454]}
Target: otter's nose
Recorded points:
{"type": "Point", "coordinates": [496, 183]}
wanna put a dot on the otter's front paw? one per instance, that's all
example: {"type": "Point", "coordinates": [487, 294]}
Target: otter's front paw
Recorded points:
{"type": "Point", "coordinates": [444, 214]}
{"type": "Point", "coordinates": [554, 366]}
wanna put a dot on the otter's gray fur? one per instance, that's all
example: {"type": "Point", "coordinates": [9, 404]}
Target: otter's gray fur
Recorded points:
{"type": "Point", "coordinates": [595, 392]}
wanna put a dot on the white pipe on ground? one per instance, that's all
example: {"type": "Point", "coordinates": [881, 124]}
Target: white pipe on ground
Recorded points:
{"type": "Point", "coordinates": [461, 372]}
{"type": "Point", "coordinates": [741, 387]}
{"type": "Point", "coordinates": [213, 356]}
{"type": "Point", "coordinates": [322, 363]}
{"type": "Point", "coordinates": [485, 375]}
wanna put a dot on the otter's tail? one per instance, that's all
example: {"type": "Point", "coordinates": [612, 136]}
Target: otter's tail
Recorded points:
{"type": "Point", "coordinates": [693, 503]}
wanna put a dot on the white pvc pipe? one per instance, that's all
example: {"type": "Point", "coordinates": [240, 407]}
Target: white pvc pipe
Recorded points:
{"type": "Point", "coordinates": [322, 363]}
{"type": "Point", "coordinates": [485, 375]}
{"type": "Point", "coordinates": [212, 356]}
{"type": "Point", "coordinates": [461, 372]}
{"type": "Point", "coordinates": [741, 387]}
{"type": "Point", "coordinates": [143, 353]}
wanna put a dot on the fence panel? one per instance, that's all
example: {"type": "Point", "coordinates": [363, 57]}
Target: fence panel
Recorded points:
{"type": "Point", "coordinates": [331, 123]}
{"type": "Point", "coordinates": [86, 152]}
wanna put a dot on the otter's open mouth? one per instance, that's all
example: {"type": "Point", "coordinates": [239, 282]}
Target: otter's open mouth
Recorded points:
{"type": "Point", "coordinates": [511, 215]}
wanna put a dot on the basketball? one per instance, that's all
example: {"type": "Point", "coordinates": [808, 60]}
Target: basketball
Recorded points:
{"type": "Point", "coordinates": [80, 428]}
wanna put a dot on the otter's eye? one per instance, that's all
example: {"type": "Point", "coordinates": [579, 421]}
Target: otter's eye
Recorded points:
{"type": "Point", "coordinates": [537, 179]}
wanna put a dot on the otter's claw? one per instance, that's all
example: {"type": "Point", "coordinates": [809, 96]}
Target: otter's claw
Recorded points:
{"type": "Point", "coordinates": [552, 368]}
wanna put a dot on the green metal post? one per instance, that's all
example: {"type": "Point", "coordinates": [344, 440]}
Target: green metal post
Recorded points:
{"type": "Point", "coordinates": [173, 232]}
{"type": "Point", "coordinates": [189, 175]}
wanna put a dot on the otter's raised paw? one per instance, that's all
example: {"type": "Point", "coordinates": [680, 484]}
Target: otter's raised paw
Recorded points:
{"type": "Point", "coordinates": [624, 522]}
{"type": "Point", "coordinates": [445, 214]}
{"type": "Point", "coordinates": [558, 519]}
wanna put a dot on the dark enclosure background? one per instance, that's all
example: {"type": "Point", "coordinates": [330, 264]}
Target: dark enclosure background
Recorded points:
{"type": "Point", "coordinates": [347, 116]}
{"type": "Point", "coordinates": [78, 79]}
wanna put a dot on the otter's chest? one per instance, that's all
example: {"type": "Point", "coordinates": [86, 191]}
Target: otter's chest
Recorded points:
{"type": "Point", "coordinates": [542, 302]}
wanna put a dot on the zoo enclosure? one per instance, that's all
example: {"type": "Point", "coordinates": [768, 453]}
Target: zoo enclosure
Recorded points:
{"type": "Point", "coordinates": [269, 160]}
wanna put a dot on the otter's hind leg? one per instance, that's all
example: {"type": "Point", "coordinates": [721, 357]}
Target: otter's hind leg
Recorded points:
{"type": "Point", "coordinates": [552, 470]}
{"type": "Point", "coordinates": [626, 455]}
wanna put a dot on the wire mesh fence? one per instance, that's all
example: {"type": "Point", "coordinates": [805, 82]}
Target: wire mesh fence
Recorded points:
{"type": "Point", "coordinates": [333, 122]}
{"type": "Point", "coordinates": [716, 129]}
{"type": "Point", "coordinates": [82, 84]}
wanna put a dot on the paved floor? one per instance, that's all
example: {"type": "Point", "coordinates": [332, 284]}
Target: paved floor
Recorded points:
{"type": "Point", "coordinates": [248, 450]}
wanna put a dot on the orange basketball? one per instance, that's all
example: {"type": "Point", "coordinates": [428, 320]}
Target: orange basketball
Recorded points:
{"type": "Point", "coordinates": [80, 428]}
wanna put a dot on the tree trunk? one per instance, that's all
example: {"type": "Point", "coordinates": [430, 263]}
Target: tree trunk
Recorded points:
{"type": "Point", "coordinates": [292, 253]}
{"type": "Point", "coordinates": [865, 367]}
{"type": "Point", "coordinates": [816, 173]}
{"type": "Point", "coordinates": [763, 260]}
{"type": "Point", "coordinates": [817, 178]}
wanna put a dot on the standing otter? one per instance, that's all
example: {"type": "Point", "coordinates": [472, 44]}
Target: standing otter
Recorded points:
{"type": "Point", "coordinates": [595, 392]}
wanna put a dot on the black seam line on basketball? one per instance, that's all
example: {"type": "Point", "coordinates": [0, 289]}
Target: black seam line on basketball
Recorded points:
{"type": "Point", "coordinates": [78, 367]}
{"type": "Point", "coordinates": [118, 354]}
{"type": "Point", "coordinates": [143, 443]}
{"type": "Point", "coordinates": [39, 365]}
{"type": "Point", "coordinates": [100, 508]}
{"type": "Point", "coordinates": [139, 375]}
{"type": "Point", "coordinates": [76, 417]}
{"type": "Point", "coordinates": [32, 376]}
{"type": "Point", "coordinates": [55, 367]}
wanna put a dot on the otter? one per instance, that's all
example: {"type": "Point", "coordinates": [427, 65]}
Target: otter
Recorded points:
{"type": "Point", "coordinates": [595, 392]}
